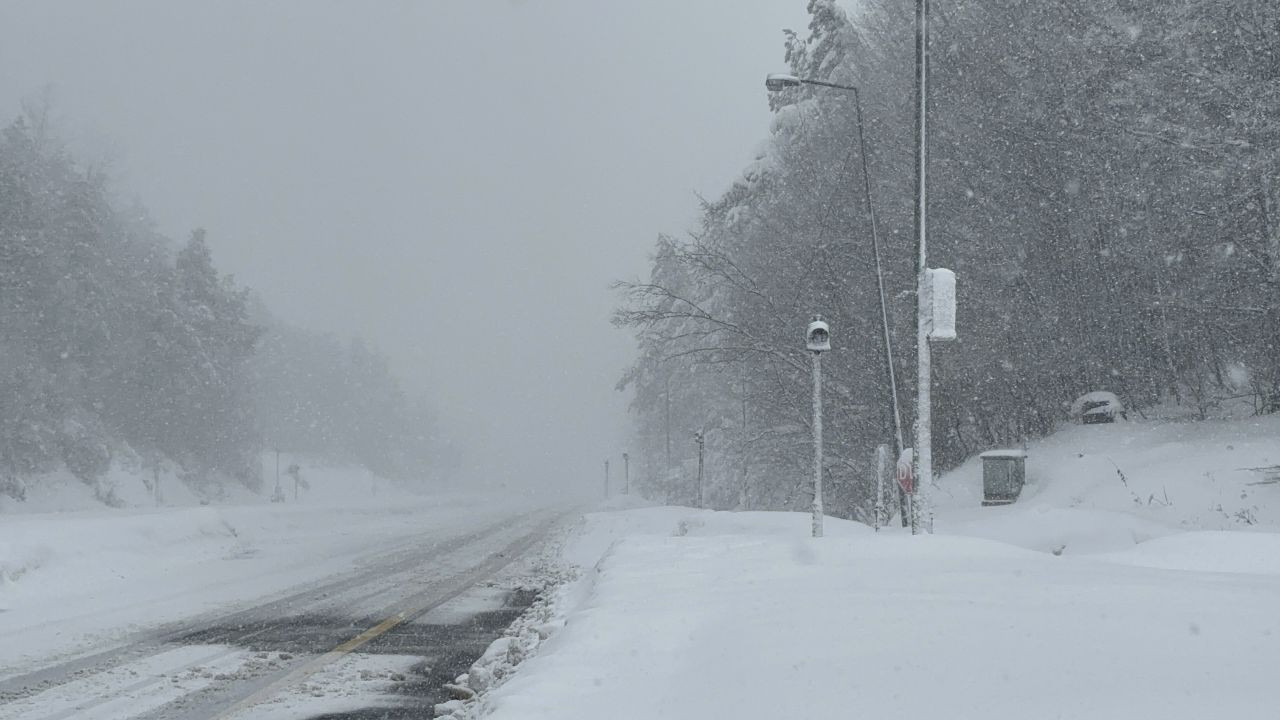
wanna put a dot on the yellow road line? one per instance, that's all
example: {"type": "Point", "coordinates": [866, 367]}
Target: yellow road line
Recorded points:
{"type": "Point", "coordinates": [313, 665]}
{"type": "Point", "coordinates": [369, 634]}
{"type": "Point", "coordinates": [509, 554]}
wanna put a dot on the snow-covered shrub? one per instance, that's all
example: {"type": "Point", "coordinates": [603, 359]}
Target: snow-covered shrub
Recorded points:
{"type": "Point", "coordinates": [1098, 406]}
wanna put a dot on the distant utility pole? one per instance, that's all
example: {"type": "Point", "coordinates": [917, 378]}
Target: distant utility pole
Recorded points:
{"type": "Point", "coordinates": [626, 474]}
{"type": "Point", "coordinates": [606, 479]}
{"type": "Point", "coordinates": [882, 469]}
{"type": "Point", "coordinates": [700, 440]}
{"type": "Point", "coordinates": [278, 494]}
{"type": "Point", "coordinates": [666, 396]}
{"type": "Point", "coordinates": [295, 471]}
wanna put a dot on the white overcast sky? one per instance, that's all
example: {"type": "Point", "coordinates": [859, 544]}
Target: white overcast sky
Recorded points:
{"type": "Point", "coordinates": [411, 170]}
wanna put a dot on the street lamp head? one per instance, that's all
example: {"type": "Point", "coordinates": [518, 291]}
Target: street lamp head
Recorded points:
{"type": "Point", "coordinates": [780, 81]}
{"type": "Point", "coordinates": [818, 336]}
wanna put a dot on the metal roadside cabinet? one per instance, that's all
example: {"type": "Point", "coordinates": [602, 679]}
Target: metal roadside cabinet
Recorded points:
{"type": "Point", "coordinates": [1003, 474]}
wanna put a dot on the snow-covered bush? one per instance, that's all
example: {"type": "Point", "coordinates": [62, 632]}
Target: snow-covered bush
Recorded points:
{"type": "Point", "coordinates": [1098, 406]}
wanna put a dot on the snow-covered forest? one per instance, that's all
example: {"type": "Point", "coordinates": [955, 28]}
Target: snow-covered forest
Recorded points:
{"type": "Point", "coordinates": [1102, 180]}
{"type": "Point", "coordinates": [119, 345]}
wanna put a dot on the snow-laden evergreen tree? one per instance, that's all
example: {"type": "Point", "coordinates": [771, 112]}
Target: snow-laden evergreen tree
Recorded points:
{"type": "Point", "coordinates": [117, 346]}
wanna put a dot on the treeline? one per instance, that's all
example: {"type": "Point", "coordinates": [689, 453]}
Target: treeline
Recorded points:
{"type": "Point", "coordinates": [118, 346]}
{"type": "Point", "coordinates": [321, 397]}
{"type": "Point", "coordinates": [1103, 179]}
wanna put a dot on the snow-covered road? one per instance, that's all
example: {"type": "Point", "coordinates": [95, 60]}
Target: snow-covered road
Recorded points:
{"type": "Point", "coordinates": [202, 612]}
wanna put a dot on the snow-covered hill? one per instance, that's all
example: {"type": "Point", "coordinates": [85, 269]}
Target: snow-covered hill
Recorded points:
{"type": "Point", "coordinates": [1094, 488]}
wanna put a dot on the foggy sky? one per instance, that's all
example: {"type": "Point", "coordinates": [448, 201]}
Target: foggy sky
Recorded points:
{"type": "Point", "coordinates": [415, 172]}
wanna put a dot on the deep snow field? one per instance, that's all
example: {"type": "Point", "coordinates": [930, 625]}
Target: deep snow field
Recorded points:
{"type": "Point", "coordinates": [1092, 597]}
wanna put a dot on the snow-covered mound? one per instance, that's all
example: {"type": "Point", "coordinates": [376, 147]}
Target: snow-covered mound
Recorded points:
{"type": "Point", "coordinates": [1253, 553]}
{"type": "Point", "coordinates": [36, 550]}
{"type": "Point", "coordinates": [1106, 487]}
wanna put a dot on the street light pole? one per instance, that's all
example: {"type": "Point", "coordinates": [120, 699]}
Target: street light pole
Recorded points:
{"type": "Point", "coordinates": [875, 251]}
{"type": "Point", "coordinates": [606, 479]}
{"type": "Point", "coordinates": [778, 82]}
{"type": "Point", "coordinates": [890, 367]}
{"type": "Point", "coordinates": [626, 474]}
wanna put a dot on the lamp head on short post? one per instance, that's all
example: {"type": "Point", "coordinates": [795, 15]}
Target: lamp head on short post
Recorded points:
{"type": "Point", "coordinates": [818, 336]}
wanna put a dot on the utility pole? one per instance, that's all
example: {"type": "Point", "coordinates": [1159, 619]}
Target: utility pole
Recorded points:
{"type": "Point", "coordinates": [295, 471]}
{"type": "Point", "coordinates": [882, 464]}
{"type": "Point", "coordinates": [698, 438]}
{"type": "Point", "coordinates": [626, 474]}
{"type": "Point", "coordinates": [666, 396]}
{"type": "Point", "coordinates": [278, 494]}
{"type": "Point", "coordinates": [743, 500]}
{"type": "Point", "coordinates": [924, 309]}
{"type": "Point", "coordinates": [606, 479]}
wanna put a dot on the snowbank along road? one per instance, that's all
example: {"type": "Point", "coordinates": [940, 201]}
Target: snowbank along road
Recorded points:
{"type": "Point", "coordinates": [330, 649]}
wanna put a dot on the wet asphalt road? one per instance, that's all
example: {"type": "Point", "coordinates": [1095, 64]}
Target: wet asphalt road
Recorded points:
{"type": "Point", "coordinates": [444, 651]}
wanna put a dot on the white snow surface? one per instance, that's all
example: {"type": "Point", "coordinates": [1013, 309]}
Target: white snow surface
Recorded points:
{"type": "Point", "coordinates": [355, 682]}
{"type": "Point", "coordinates": [1079, 601]}
{"type": "Point", "coordinates": [187, 670]}
{"type": "Point", "coordinates": [72, 582]}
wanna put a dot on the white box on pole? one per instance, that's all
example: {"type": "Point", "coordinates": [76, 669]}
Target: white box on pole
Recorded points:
{"type": "Point", "coordinates": [942, 292]}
